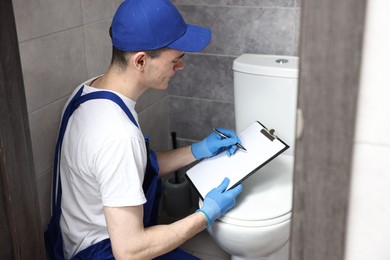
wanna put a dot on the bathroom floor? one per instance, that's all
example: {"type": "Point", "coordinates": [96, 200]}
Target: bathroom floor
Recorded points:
{"type": "Point", "coordinates": [201, 245]}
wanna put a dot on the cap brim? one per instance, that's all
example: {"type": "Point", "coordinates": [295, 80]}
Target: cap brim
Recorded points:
{"type": "Point", "coordinates": [195, 39]}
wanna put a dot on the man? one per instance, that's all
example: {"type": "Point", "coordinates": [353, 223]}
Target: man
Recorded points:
{"type": "Point", "coordinates": [107, 182]}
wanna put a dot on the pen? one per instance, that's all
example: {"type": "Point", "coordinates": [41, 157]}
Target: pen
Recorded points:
{"type": "Point", "coordinates": [225, 136]}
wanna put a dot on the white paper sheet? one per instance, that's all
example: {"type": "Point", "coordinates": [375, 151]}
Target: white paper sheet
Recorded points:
{"type": "Point", "coordinates": [210, 172]}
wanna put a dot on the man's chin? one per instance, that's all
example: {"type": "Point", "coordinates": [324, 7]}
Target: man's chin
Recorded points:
{"type": "Point", "coordinates": [161, 87]}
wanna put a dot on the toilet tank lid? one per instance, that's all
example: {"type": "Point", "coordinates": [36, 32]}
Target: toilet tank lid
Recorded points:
{"type": "Point", "coordinates": [267, 65]}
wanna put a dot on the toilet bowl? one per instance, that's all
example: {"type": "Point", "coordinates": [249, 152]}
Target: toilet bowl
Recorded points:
{"type": "Point", "coordinates": [258, 226]}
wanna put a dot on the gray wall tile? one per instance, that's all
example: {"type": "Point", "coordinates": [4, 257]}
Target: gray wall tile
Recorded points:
{"type": "Point", "coordinates": [148, 98]}
{"type": "Point", "coordinates": [44, 183]}
{"type": "Point", "coordinates": [44, 124]}
{"type": "Point", "coordinates": [205, 76]}
{"type": "Point", "coordinates": [297, 31]}
{"type": "Point", "coordinates": [38, 18]}
{"type": "Point", "coordinates": [98, 47]}
{"type": "Point", "coordinates": [195, 118]}
{"type": "Point", "coordinates": [52, 66]}
{"type": "Point", "coordinates": [238, 30]}
{"type": "Point", "coordinates": [240, 26]}
{"type": "Point", "coordinates": [154, 122]}
{"type": "Point", "coordinates": [95, 10]}
{"type": "Point", "coordinates": [262, 3]}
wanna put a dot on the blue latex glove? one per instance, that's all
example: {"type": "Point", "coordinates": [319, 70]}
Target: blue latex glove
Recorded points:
{"type": "Point", "coordinates": [214, 144]}
{"type": "Point", "coordinates": [218, 201]}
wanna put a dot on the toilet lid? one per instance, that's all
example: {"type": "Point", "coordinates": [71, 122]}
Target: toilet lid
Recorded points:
{"type": "Point", "coordinates": [266, 198]}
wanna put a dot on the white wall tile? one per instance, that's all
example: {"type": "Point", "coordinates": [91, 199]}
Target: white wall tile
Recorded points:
{"type": "Point", "coordinates": [368, 229]}
{"type": "Point", "coordinates": [373, 118]}
{"type": "Point", "coordinates": [52, 66]}
{"type": "Point", "coordinates": [368, 233]}
{"type": "Point", "coordinates": [37, 18]}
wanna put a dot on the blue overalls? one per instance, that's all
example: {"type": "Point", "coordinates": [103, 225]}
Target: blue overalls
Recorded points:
{"type": "Point", "coordinates": [151, 187]}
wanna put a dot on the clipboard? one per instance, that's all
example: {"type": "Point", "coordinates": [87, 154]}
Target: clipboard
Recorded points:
{"type": "Point", "coordinates": [262, 146]}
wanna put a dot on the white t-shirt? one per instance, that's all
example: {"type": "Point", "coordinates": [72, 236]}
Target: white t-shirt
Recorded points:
{"type": "Point", "coordinates": [103, 162]}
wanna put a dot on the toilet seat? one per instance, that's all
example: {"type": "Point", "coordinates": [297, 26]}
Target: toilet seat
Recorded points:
{"type": "Point", "coordinates": [266, 198]}
{"type": "Point", "coordinates": [256, 223]}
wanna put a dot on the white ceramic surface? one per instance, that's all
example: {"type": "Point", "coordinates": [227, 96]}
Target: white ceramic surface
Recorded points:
{"type": "Point", "coordinates": [259, 226]}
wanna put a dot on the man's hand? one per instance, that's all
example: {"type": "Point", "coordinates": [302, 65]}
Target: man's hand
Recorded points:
{"type": "Point", "coordinates": [214, 144]}
{"type": "Point", "coordinates": [218, 201]}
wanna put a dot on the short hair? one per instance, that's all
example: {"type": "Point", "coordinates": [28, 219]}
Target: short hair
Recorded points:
{"type": "Point", "coordinates": [120, 58]}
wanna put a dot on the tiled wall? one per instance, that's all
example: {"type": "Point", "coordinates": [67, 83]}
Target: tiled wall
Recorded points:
{"type": "Point", "coordinates": [62, 44]}
{"type": "Point", "coordinates": [202, 94]}
{"type": "Point", "coordinates": [369, 212]}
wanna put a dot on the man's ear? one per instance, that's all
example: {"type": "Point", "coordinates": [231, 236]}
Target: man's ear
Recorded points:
{"type": "Point", "coordinates": [139, 60]}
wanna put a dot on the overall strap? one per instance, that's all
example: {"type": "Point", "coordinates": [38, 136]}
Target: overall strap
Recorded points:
{"type": "Point", "coordinates": [106, 95]}
{"type": "Point", "coordinates": [102, 250]}
{"type": "Point", "coordinates": [53, 236]}
{"type": "Point", "coordinates": [75, 102]}
{"type": "Point", "coordinates": [57, 190]}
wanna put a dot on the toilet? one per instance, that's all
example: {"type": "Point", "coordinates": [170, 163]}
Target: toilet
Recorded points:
{"type": "Point", "coordinates": [258, 227]}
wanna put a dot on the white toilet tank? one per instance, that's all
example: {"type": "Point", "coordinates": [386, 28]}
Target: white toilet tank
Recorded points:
{"type": "Point", "coordinates": [265, 90]}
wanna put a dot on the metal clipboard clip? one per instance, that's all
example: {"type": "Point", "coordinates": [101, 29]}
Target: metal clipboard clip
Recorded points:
{"type": "Point", "coordinates": [269, 134]}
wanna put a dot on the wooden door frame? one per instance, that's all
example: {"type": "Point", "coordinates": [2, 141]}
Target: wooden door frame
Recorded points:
{"type": "Point", "coordinates": [20, 223]}
{"type": "Point", "coordinates": [330, 57]}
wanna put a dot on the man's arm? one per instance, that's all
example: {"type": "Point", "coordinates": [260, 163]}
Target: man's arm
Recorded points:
{"type": "Point", "coordinates": [213, 144]}
{"type": "Point", "coordinates": [130, 240]}
{"type": "Point", "coordinates": [173, 160]}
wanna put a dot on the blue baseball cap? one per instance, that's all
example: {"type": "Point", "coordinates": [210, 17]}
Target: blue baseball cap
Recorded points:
{"type": "Point", "coordinates": [152, 24]}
